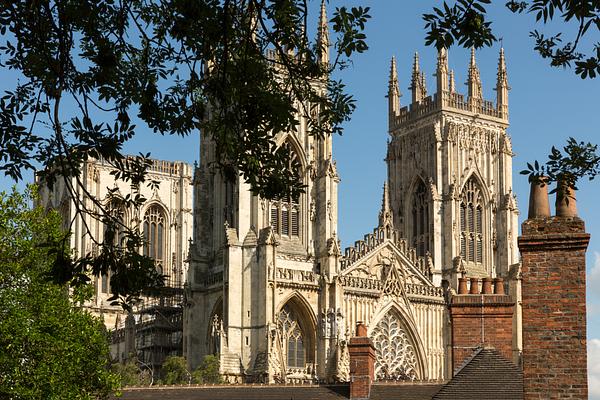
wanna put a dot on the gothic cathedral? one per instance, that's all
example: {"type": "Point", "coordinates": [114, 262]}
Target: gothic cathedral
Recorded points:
{"type": "Point", "coordinates": [269, 289]}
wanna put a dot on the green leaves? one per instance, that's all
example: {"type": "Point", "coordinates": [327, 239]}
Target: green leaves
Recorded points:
{"type": "Point", "coordinates": [575, 161]}
{"type": "Point", "coordinates": [351, 24]}
{"type": "Point", "coordinates": [50, 349]}
{"type": "Point", "coordinates": [240, 73]}
{"type": "Point", "coordinates": [465, 23]}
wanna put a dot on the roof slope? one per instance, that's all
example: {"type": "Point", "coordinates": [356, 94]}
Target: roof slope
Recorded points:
{"type": "Point", "coordinates": [487, 375]}
{"type": "Point", "coordinates": [242, 392]}
{"type": "Point", "coordinates": [404, 391]}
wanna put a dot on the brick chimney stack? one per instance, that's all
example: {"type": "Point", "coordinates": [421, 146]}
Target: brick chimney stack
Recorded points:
{"type": "Point", "coordinates": [362, 364]}
{"type": "Point", "coordinates": [481, 318]}
{"type": "Point", "coordinates": [553, 286]}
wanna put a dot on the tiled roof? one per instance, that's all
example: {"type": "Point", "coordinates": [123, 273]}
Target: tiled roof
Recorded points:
{"type": "Point", "coordinates": [241, 392]}
{"type": "Point", "coordinates": [487, 375]}
{"type": "Point", "coordinates": [404, 391]}
{"type": "Point", "coordinates": [280, 392]}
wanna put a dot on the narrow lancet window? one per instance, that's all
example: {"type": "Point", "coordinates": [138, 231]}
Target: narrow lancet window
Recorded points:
{"type": "Point", "coordinates": [154, 234]}
{"type": "Point", "coordinates": [420, 219]}
{"type": "Point", "coordinates": [285, 212]}
{"type": "Point", "coordinates": [471, 223]}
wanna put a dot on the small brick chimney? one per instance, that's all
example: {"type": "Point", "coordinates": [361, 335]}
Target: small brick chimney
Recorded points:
{"type": "Point", "coordinates": [481, 318]}
{"type": "Point", "coordinates": [553, 286]}
{"type": "Point", "coordinates": [362, 364]}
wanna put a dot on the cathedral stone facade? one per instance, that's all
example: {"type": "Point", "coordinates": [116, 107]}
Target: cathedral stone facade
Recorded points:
{"type": "Point", "coordinates": [165, 219]}
{"type": "Point", "coordinates": [270, 290]}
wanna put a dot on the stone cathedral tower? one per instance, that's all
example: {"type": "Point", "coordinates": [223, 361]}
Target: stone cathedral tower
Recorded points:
{"type": "Point", "coordinates": [261, 271]}
{"type": "Point", "coordinates": [450, 173]}
{"type": "Point", "coordinates": [269, 290]}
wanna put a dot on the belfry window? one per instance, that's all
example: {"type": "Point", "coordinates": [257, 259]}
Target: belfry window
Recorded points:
{"type": "Point", "coordinates": [154, 235]}
{"type": "Point", "coordinates": [293, 338]}
{"type": "Point", "coordinates": [420, 219]}
{"type": "Point", "coordinates": [284, 212]}
{"type": "Point", "coordinates": [471, 223]}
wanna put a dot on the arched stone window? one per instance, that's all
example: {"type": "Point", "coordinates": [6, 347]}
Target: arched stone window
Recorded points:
{"type": "Point", "coordinates": [285, 212]}
{"type": "Point", "coordinates": [420, 219]}
{"type": "Point", "coordinates": [293, 338]}
{"type": "Point", "coordinates": [471, 222]}
{"type": "Point", "coordinates": [113, 233]}
{"type": "Point", "coordinates": [216, 330]}
{"type": "Point", "coordinates": [154, 226]}
{"type": "Point", "coordinates": [395, 355]}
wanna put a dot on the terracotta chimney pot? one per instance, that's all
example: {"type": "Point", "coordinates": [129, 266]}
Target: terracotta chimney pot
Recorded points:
{"type": "Point", "coordinates": [462, 286]}
{"type": "Point", "coordinates": [566, 204]}
{"type": "Point", "coordinates": [361, 329]}
{"type": "Point", "coordinates": [487, 286]}
{"type": "Point", "coordinates": [498, 286]}
{"type": "Point", "coordinates": [474, 286]}
{"type": "Point", "coordinates": [539, 205]}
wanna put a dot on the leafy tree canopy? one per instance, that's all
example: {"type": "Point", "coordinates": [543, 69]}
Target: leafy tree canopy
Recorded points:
{"type": "Point", "coordinates": [49, 349]}
{"type": "Point", "coordinates": [465, 22]}
{"type": "Point", "coordinates": [238, 71]}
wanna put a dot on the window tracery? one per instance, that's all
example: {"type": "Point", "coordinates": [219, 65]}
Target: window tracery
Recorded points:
{"type": "Point", "coordinates": [285, 212]}
{"type": "Point", "coordinates": [471, 222]}
{"type": "Point", "coordinates": [293, 338]}
{"type": "Point", "coordinates": [420, 219]}
{"type": "Point", "coordinates": [154, 235]}
{"type": "Point", "coordinates": [395, 357]}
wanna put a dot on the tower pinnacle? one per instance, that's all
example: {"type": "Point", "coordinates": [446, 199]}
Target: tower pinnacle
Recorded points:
{"type": "Point", "coordinates": [385, 215]}
{"type": "Point", "coordinates": [442, 71]}
{"type": "Point", "coordinates": [451, 83]}
{"type": "Point", "coordinates": [393, 91]}
{"type": "Point", "coordinates": [417, 82]}
{"type": "Point", "coordinates": [474, 79]}
{"type": "Point", "coordinates": [502, 87]}
{"type": "Point", "coordinates": [323, 35]}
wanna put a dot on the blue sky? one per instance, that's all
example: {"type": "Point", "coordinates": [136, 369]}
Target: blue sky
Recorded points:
{"type": "Point", "coordinates": [546, 106]}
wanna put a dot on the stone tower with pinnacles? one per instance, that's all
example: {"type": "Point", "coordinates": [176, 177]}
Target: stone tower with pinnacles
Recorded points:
{"type": "Point", "coordinates": [271, 292]}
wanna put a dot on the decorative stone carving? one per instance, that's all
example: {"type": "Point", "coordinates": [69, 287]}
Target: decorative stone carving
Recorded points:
{"type": "Point", "coordinates": [277, 366]}
{"type": "Point", "coordinates": [343, 362]}
{"type": "Point", "coordinates": [395, 356]}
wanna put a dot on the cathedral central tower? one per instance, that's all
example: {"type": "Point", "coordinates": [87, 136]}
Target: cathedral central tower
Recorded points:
{"type": "Point", "coordinates": [450, 173]}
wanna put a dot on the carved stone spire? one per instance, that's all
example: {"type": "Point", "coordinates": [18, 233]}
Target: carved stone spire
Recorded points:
{"type": "Point", "coordinates": [502, 86]}
{"type": "Point", "coordinates": [417, 81]}
{"type": "Point", "coordinates": [393, 91]}
{"type": "Point", "coordinates": [474, 80]}
{"type": "Point", "coordinates": [323, 39]}
{"type": "Point", "coordinates": [385, 215]}
{"type": "Point", "coordinates": [452, 85]}
{"type": "Point", "coordinates": [442, 71]}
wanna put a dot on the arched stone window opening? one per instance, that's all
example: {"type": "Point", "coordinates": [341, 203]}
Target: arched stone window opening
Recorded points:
{"type": "Point", "coordinates": [230, 203]}
{"type": "Point", "coordinates": [420, 219]}
{"type": "Point", "coordinates": [293, 338]}
{"type": "Point", "coordinates": [114, 233]}
{"type": "Point", "coordinates": [154, 228]}
{"type": "Point", "coordinates": [395, 355]}
{"type": "Point", "coordinates": [471, 223]}
{"type": "Point", "coordinates": [216, 331]}
{"type": "Point", "coordinates": [285, 212]}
